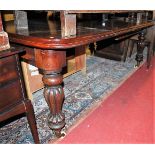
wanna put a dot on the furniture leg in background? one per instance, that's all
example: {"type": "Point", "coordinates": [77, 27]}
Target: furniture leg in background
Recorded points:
{"type": "Point", "coordinates": [141, 44]}
{"type": "Point", "coordinates": [140, 48]}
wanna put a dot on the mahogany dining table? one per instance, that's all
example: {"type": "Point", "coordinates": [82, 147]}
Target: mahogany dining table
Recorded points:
{"type": "Point", "coordinates": [46, 49]}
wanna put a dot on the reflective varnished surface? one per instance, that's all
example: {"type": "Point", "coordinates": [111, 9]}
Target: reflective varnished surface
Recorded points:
{"type": "Point", "coordinates": [46, 34]}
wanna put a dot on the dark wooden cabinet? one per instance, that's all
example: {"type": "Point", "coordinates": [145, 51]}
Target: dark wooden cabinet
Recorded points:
{"type": "Point", "coordinates": [13, 99]}
{"type": "Point", "coordinates": [10, 82]}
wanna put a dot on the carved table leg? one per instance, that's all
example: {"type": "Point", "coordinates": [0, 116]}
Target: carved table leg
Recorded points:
{"type": "Point", "coordinates": [51, 63]}
{"type": "Point", "coordinates": [140, 48]}
{"type": "Point", "coordinates": [54, 96]}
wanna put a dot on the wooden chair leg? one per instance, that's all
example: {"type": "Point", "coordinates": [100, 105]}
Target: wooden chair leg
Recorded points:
{"type": "Point", "coordinates": [31, 121]}
{"type": "Point", "coordinates": [126, 45]}
{"type": "Point", "coordinates": [92, 48]}
{"type": "Point", "coordinates": [154, 47]}
{"type": "Point", "coordinates": [131, 47]}
{"type": "Point", "coordinates": [149, 55]}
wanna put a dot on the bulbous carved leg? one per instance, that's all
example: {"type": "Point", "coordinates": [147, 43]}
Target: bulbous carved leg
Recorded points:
{"type": "Point", "coordinates": [140, 48]}
{"type": "Point", "coordinates": [54, 96]}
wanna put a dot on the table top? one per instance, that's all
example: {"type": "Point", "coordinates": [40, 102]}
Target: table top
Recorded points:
{"type": "Point", "coordinates": [46, 34]}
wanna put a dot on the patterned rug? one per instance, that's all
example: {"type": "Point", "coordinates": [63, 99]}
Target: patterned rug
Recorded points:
{"type": "Point", "coordinates": [83, 92]}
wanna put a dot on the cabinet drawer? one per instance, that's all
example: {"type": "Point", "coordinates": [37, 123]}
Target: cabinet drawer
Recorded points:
{"type": "Point", "coordinates": [10, 94]}
{"type": "Point", "coordinates": [8, 69]}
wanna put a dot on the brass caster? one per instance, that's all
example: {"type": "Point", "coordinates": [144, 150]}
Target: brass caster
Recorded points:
{"type": "Point", "coordinates": [135, 66]}
{"type": "Point", "coordinates": [59, 134]}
